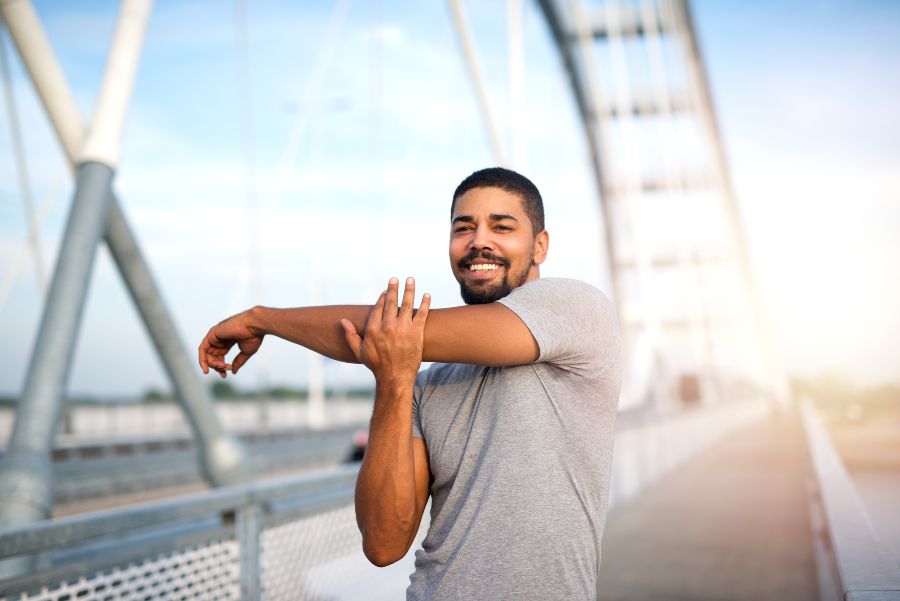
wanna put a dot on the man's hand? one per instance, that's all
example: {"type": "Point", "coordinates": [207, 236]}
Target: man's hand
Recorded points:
{"type": "Point", "coordinates": [221, 337]}
{"type": "Point", "coordinates": [393, 340]}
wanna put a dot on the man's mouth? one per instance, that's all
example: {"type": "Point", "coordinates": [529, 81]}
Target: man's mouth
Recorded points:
{"type": "Point", "coordinates": [484, 266]}
{"type": "Point", "coordinates": [482, 262]}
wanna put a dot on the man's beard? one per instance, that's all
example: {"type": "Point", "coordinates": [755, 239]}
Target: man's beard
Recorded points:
{"type": "Point", "coordinates": [481, 294]}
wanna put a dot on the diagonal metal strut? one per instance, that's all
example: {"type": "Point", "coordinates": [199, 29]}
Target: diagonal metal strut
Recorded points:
{"type": "Point", "coordinates": [25, 473]}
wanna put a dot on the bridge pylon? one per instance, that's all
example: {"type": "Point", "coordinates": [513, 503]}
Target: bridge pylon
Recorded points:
{"type": "Point", "coordinates": [678, 256]}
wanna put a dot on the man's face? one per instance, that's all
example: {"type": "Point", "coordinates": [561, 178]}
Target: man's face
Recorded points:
{"type": "Point", "coordinates": [492, 247]}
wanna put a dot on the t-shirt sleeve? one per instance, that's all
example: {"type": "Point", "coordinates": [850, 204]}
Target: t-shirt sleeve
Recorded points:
{"type": "Point", "coordinates": [574, 323]}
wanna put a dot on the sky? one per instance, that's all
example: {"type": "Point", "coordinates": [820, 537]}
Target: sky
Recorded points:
{"type": "Point", "coordinates": [385, 124]}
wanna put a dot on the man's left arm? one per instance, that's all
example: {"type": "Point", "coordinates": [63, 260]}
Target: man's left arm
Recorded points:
{"type": "Point", "coordinates": [393, 483]}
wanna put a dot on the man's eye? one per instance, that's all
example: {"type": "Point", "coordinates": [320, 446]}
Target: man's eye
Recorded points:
{"type": "Point", "coordinates": [462, 229]}
{"type": "Point", "coordinates": [503, 227]}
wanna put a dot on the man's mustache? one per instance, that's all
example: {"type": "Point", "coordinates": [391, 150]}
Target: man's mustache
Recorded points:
{"type": "Point", "coordinates": [482, 254]}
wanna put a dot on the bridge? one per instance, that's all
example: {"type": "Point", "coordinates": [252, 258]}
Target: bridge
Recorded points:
{"type": "Point", "coordinates": [724, 487]}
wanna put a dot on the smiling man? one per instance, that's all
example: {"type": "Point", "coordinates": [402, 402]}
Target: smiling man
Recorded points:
{"type": "Point", "coordinates": [510, 432]}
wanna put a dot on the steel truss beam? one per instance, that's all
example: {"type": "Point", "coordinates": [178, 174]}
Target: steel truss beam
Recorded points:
{"type": "Point", "coordinates": [574, 32]}
{"type": "Point", "coordinates": [25, 471]}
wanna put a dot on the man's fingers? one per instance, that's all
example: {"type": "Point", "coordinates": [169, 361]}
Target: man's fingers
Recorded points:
{"type": "Point", "coordinates": [210, 347]}
{"type": "Point", "coordinates": [390, 299]}
{"type": "Point", "coordinates": [422, 313]}
{"type": "Point", "coordinates": [239, 361]}
{"type": "Point", "coordinates": [215, 357]}
{"type": "Point", "coordinates": [352, 337]}
{"type": "Point", "coordinates": [375, 315]}
{"type": "Point", "coordinates": [409, 298]}
{"type": "Point", "coordinates": [201, 355]}
{"type": "Point", "coordinates": [212, 351]}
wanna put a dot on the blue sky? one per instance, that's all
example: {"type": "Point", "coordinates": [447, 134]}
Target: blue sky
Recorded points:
{"type": "Point", "coordinates": [806, 97]}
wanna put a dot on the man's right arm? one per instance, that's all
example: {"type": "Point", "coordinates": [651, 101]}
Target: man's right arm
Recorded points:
{"type": "Point", "coordinates": [316, 328]}
{"type": "Point", "coordinates": [489, 334]}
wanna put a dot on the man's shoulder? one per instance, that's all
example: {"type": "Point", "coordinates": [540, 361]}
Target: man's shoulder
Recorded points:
{"type": "Point", "coordinates": [555, 288]}
{"type": "Point", "coordinates": [573, 322]}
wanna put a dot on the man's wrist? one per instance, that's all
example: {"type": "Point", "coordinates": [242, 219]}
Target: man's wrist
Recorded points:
{"type": "Point", "coordinates": [393, 387]}
{"type": "Point", "coordinates": [259, 320]}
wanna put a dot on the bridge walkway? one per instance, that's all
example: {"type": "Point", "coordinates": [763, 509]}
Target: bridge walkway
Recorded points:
{"type": "Point", "coordinates": [732, 523]}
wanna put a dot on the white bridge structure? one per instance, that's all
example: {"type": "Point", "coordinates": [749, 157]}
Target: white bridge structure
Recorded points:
{"type": "Point", "coordinates": [699, 360]}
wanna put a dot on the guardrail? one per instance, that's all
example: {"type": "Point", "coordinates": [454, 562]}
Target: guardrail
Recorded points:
{"type": "Point", "coordinates": [853, 564]}
{"type": "Point", "coordinates": [228, 543]}
{"type": "Point", "coordinates": [290, 538]}
{"type": "Point", "coordinates": [128, 420]}
{"type": "Point", "coordinates": [650, 445]}
{"type": "Point", "coordinates": [88, 471]}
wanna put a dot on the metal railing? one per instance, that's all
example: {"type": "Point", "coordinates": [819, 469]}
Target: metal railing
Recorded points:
{"type": "Point", "coordinates": [650, 445]}
{"type": "Point", "coordinates": [853, 563]}
{"type": "Point", "coordinates": [229, 543]}
{"type": "Point", "coordinates": [90, 471]}
{"type": "Point", "coordinates": [290, 538]}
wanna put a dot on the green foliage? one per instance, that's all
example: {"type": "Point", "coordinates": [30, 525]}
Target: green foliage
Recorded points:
{"type": "Point", "coordinates": [154, 396]}
{"type": "Point", "coordinates": [222, 389]}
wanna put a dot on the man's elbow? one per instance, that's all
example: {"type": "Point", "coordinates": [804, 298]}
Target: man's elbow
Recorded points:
{"type": "Point", "coordinates": [382, 555]}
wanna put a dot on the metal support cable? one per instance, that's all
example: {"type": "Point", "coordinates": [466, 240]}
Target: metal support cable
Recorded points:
{"type": "Point", "coordinates": [309, 101]}
{"type": "Point", "coordinates": [248, 145]}
{"type": "Point", "coordinates": [299, 128]}
{"type": "Point", "coordinates": [34, 240]}
{"type": "Point", "coordinates": [251, 197]}
{"type": "Point", "coordinates": [516, 65]}
{"type": "Point", "coordinates": [469, 54]}
{"type": "Point", "coordinates": [20, 258]}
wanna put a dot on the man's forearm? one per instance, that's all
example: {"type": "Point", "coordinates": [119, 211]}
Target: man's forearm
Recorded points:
{"type": "Point", "coordinates": [487, 334]}
{"type": "Point", "coordinates": [316, 328]}
{"type": "Point", "coordinates": [386, 508]}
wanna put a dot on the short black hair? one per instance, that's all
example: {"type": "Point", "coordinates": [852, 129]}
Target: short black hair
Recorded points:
{"type": "Point", "coordinates": [509, 180]}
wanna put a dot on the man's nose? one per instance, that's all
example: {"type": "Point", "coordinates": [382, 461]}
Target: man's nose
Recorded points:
{"type": "Point", "coordinates": [482, 238]}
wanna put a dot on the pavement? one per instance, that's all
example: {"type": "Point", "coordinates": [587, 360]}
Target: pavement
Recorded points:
{"type": "Point", "coordinates": [730, 524]}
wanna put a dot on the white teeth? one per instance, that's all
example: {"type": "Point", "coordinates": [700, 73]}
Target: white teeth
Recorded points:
{"type": "Point", "coordinates": [483, 267]}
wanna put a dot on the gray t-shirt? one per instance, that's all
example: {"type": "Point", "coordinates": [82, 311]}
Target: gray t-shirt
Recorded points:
{"type": "Point", "coordinates": [521, 456]}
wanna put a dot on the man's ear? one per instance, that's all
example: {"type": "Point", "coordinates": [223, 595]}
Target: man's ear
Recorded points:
{"type": "Point", "coordinates": [541, 244]}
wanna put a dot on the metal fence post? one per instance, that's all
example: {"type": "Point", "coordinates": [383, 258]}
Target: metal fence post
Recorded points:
{"type": "Point", "coordinates": [249, 526]}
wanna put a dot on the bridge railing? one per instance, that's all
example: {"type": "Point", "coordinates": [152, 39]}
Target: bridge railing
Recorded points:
{"type": "Point", "coordinates": [290, 538]}
{"type": "Point", "coordinates": [88, 471]}
{"type": "Point", "coordinates": [222, 544]}
{"type": "Point", "coordinates": [853, 563]}
{"type": "Point", "coordinates": [649, 445]}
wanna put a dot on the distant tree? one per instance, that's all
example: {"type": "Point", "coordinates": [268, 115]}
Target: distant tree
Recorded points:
{"type": "Point", "coordinates": [221, 389]}
{"type": "Point", "coordinates": [286, 392]}
{"type": "Point", "coordinates": [154, 395]}
{"type": "Point", "coordinates": [365, 392]}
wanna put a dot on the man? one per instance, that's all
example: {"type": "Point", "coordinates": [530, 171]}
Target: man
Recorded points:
{"type": "Point", "coordinates": [510, 432]}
